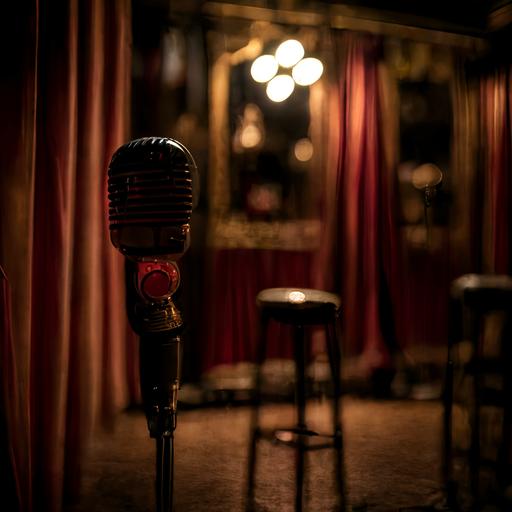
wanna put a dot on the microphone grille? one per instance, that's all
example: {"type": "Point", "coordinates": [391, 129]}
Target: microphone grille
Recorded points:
{"type": "Point", "coordinates": [150, 192]}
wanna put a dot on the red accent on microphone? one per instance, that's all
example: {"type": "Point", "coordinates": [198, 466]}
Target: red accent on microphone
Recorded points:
{"type": "Point", "coordinates": [158, 280]}
{"type": "Point", "coordinates": [156, 284]}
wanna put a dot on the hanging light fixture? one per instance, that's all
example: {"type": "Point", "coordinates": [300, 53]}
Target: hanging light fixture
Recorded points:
{"type": "Point", "coordinates": [307, 71]}
{"type": "Point", "coordinates": [289, 54]}
{"type": "Point", "coordinates": [280, 88]}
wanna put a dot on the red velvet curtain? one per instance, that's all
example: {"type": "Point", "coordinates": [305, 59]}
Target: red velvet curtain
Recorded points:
{"type": "Point", "coordinates": [496, 114]}
{"type": "Point", "coordinates": [9, 402]}
{"type": "Point", "coordinates": [235, 277]}
{"type": "Point", "coordinates": [71, 359]}
{"type": "Point", "coordinates": [367, 246]}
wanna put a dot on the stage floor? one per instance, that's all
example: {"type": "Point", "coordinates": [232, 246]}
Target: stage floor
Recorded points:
{"type": "Point", "coordinates": [392, 460]}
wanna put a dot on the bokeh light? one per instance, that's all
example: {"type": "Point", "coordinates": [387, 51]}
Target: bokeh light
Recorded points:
{"type": "Point", "coordinates": [280, 88]}
{"type": "Point", "coordinates": [251, 136]}
{"type": "Point", "coordinates": [303, 150]}
{"type": "Point", "coordinates": [289, 53]}
{"type": "Point", "coordinates": [307, 71]}
{"type": "Point", "coordinates": [264, 68]}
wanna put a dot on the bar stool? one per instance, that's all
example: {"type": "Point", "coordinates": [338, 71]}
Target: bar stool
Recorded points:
{"type": "Point", "coordinates": [473, 297]}
{"type": "Point", "coordinates": [298, 308]}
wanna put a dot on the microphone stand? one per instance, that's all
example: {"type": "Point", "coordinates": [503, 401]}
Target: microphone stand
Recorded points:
{"type": "Point", "coordinates": [159, 324]}
{"type": "Point", "coordinates": [159, 370]}
{"type": "Point", "coordinates": [427, 202]}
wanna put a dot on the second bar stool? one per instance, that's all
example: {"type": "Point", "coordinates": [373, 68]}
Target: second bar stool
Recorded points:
{"type": "Point", "coordinates": [474, 296]}
{"type": "Point", "coordinates": [299, 307]}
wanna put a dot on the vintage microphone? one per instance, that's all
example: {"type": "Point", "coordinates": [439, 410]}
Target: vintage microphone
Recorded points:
{"type": "Point", "coordinates": [427, 178]}
{"type": "Point", "coordinates": [152, 188]}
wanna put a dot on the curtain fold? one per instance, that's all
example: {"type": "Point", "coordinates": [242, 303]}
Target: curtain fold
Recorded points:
{"type": "Point", "coordinates": [367, 246]}
{"type": "Point", "coordinates": [72, 353]}
{"type": "Point", "coordinates": [9, 402]}
{"type": "Point", "coordinates": [235, 277]}
{"type": "Point", "coordinates": [496, 119]}
{"type": "Point", "coordinates": [481, 215]}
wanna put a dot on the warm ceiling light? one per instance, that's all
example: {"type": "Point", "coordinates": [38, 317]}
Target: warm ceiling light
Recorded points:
{"type": "Point", "coordinates": [264, 68]}
{"type": "Point", "coordinates": [307, 71]}
{"type": "Point", "coordinates": [280, 87]}
{"type": "Point", "coordinates": [289, 53]}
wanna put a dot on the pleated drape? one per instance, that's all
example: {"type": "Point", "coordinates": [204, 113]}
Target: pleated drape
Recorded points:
{"type": "Point", "coordinates": [235, 277]}
{"type": "Point", "coordinates": [72, 352]}
{"type": "Point", "coordinates": [367, 247]}
{"type": "Point", "coordinates": [496, 119]}
{"type": "Point", "coordinates": [480, 234]}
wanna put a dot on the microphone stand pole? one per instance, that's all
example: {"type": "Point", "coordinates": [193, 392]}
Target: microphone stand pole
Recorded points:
{"type": "Point", "coordinates": [160, 373]}
{"type": "Point", "coordinates": [427, 202]}
{"type": "Point", "coordinates": [164, 472]}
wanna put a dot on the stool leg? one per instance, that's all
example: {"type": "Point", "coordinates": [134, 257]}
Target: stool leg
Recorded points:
{"type": "Point", "coordinates": [448, 482]}
{"type": "Point", "coordinates": [474, 450]}
{"type": "Point", "coordinates": [506, 432]}
{"type": "Point", "coordinates": [300, 399]}
{"type": "Point", "coordinates": [255, 426]}
{"type": "Point", "coordinates": [334, 352]}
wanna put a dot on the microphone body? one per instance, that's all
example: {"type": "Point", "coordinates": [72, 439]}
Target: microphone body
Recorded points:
{"type": "Point", "coordinates": [152, 188]}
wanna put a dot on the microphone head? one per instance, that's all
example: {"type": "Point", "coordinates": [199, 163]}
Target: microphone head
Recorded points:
{"type": "Point", "coordinates": [426, 176]}
{"type": "Point", "coordinates": [152, 188]}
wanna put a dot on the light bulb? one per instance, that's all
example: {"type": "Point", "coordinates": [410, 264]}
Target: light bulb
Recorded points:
{"type": "Point", "coordinates": [264, 68]}
{"type": "Point", "coordinates": [289, 53]}
{"type": "Point", "coordinates": [307, 71]}
{"type": "Point", "coordinates": [280, 87]}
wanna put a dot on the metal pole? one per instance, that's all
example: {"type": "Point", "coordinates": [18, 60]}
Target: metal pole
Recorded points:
{"type": "Point", "coordinates": [164, 473]}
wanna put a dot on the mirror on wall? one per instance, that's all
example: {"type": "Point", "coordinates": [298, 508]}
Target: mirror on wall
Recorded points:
{"type": "Point", "coordinates": [270, 150]}
{"type": "Point", "coordinates": [266, 152]}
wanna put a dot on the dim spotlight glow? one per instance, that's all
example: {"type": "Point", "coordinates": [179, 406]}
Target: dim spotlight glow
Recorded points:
{"type": "Point", "coordinates": [307, 71]}
{"type": "Point", "coordinates": [296, 297]}
{"type": "Point", "coordinates": [264, 68]}
{"type": "Point", "coordinates": [289, 53]}
{"type": "Point", "coordinates": [280, 88]}
{"type": "Point", "coordinates": [303, 150]}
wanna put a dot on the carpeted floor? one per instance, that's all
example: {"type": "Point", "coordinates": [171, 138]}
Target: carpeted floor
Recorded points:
{"type": "Point", "coordinates": [392, 460]}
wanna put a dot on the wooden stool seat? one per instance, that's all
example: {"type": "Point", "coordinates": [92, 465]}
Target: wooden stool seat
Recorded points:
{"type": "Point", "coordinates": [298, 305]}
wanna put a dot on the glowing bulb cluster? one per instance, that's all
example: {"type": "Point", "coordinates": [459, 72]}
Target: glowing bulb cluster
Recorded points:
{"type": "Point", "coordinates": [289, 54]}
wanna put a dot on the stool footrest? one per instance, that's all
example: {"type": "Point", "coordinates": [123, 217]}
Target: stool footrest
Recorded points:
{"type": "Point", "coordinates": [286, 432]}
{"type": "Point", "coordinates": [308, 440]}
